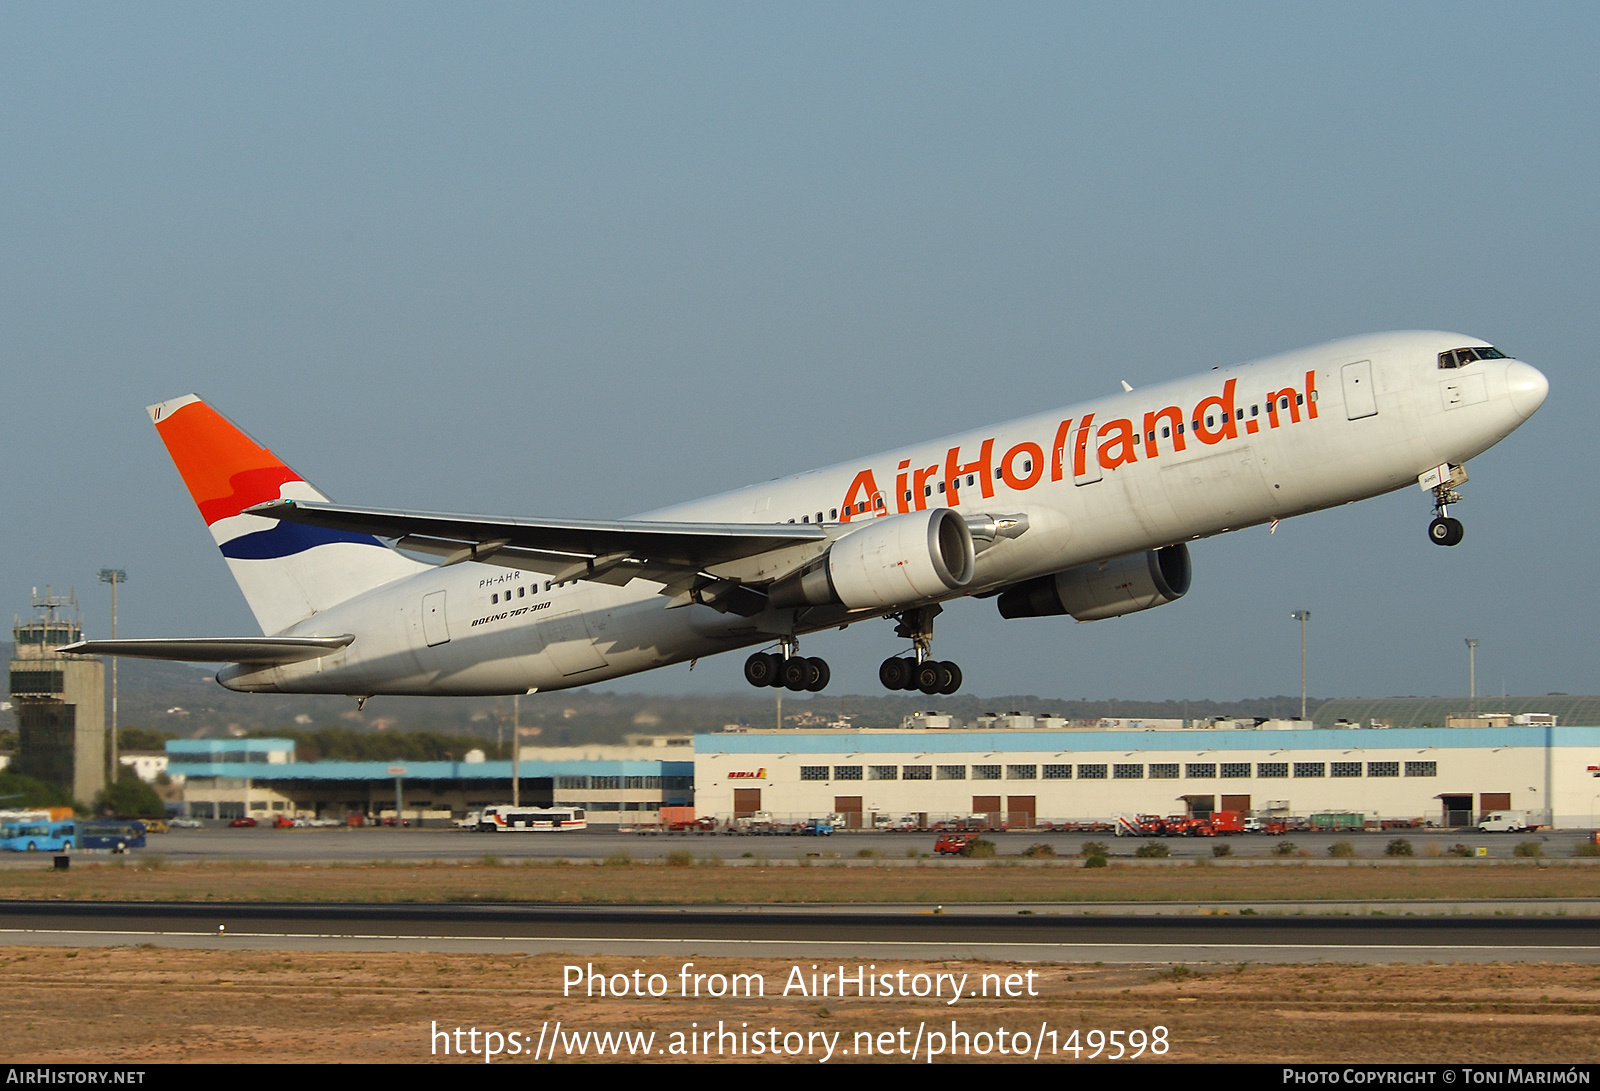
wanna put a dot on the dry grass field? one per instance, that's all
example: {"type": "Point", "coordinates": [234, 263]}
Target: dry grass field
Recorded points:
{"type": "Point", "coordinates": [126, 1006]}
{"type": "Point", "coordinates": [708, 882]}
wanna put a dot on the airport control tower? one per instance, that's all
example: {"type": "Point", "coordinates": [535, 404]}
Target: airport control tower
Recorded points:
{"type": "Point", "coordinates": [58, 700]}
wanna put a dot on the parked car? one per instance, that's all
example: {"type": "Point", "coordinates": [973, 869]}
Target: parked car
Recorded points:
{"type": "Point", "coordinates": [816, 827]}
{"type": "Point", "coordinates": [951, 844]}
{"type": "Point", "coordinates": [185, 823]}
{"type": "Point", "coordinates": [240, 823]}
{"type": "Point", "coordinates": [283, 822]}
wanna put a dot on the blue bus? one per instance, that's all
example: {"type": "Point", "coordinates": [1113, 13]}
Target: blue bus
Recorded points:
{"type": "Point", "coordinates": [118, 835]}
{"type": "Point", "coordinates": [39, 835]}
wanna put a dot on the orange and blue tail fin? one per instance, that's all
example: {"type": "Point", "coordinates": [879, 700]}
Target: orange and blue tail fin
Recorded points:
{"type": "Point", "coordinates": [287, 571]}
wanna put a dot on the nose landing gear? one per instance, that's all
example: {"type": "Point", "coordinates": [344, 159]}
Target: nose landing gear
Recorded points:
{"type": "Point", "coordinates": [1442, 481]}
{"type": "Point", "coordinates": [788, 669]}
{"type": "Point", "coordinates": [919, 671]}
{"type": "Point", "coordinates": [1446, 531]}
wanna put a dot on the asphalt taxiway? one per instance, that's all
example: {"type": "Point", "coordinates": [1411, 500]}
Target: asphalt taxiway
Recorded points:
{"type": "Point", "coordinates": [1042, 933]}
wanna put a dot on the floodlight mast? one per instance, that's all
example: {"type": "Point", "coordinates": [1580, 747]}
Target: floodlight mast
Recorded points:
{"type": "Point", "coordinates": [113, 576]}
{"type": "Point", "coordinates": [1302, 616]}
{"type": "Point", "coordinates": [1472, 676]}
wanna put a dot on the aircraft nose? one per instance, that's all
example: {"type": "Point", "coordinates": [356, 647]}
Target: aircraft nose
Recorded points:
{"type": "Point", "coordinates": [1527, 386]}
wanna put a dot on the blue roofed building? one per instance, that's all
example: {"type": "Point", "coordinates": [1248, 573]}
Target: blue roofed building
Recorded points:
{"type": "Point", "coordinates": [260, 778]}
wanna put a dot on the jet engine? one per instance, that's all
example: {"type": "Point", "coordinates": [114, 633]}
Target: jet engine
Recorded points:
{"type": "Point", "coordinates": [896, 560]}
{"type": "Point", "coordinates": [1106, 589]}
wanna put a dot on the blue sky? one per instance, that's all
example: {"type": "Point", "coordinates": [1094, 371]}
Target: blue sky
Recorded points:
{"type": "Point", "coordinates": [586, 260]}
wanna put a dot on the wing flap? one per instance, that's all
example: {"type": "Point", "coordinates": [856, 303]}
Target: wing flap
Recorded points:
{"type": "Point", "coordinates": [221, 649]}
{"type": "Point", "coordinates": [680, 545]}
{"type": "Point", "coordinates": [679, 556]}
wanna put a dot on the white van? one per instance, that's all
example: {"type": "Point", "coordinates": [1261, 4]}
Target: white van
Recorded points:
{"type": "Point", "coordinates": [1504, 822]}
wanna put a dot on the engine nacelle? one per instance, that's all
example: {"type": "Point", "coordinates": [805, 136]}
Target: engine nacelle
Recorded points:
{"type": "Point", "coordinates": [1107, 589]}
{"type": "Point", "coordinates": [896, 560]}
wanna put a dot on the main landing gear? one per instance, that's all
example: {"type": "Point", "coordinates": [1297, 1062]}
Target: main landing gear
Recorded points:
{"type": "Point", "coordinates": [919, 671]}
{"type": "Point", "coordinates": [787, 669]}
{"type": "Point", "coordinates": [1444, 530]}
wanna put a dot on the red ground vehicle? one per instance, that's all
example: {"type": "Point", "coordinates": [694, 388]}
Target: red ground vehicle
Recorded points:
{"type": "Point", "coordinates": [1225, 823]}
{"type": "Point", "coordinates": [951, 844]}
{"type": "Point", "coordinates": [283, 822]}
{"type": "Point", "coordinates": [242, 822]}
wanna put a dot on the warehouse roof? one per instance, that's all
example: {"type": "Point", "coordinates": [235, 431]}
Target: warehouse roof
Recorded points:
{"type": "Point", "coordinates": [1432, 711]}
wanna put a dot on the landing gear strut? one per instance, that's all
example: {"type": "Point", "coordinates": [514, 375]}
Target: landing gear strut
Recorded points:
{"type": "Point", "coordinates": [1445, 530]}
{"type": "Point", "coordinates": [788, 669]}
{"type": "Point", "coordinates": [919, 671]}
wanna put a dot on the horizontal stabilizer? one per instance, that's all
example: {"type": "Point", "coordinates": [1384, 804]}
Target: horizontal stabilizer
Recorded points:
{"type": "Point", "coordinates": [219, 649]}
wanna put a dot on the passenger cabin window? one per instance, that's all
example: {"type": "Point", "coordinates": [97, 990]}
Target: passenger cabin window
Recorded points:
{"type": "Point", "coordinates": [1462, 357]}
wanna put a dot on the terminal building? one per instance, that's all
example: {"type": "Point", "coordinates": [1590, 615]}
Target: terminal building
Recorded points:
{"type": "Point", "coordinates": [1020, 778]}
{"type": "Point", "coordinates": [260, 779]}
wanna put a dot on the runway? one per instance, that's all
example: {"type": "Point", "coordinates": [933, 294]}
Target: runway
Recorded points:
{"type": "Point", "coordinates": [1040, 934]}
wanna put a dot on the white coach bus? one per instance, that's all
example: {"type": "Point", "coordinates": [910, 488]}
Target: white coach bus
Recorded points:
{"type": "Point", "coordinates": [505, 817]}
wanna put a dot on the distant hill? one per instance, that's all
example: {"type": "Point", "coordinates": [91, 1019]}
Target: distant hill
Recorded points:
{"type": "Point", "coordinates": [184, 700]}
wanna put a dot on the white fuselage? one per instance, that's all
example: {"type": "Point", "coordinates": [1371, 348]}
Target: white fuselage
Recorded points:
{"type": "Point", "coordinates": [1349, 420]}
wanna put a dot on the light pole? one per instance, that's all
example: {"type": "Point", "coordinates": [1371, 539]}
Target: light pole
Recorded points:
{"type": "Point", "coordinates": [1472, 677]}
{"type": "Point", "coordinates": [1302, 616]}
{"type": "Point", "coordinates": [113, 576]}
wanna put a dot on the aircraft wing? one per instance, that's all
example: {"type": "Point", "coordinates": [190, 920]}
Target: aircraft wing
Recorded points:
{"type": "Point", "coordinates": [220, 649]}
{"type": "Point", "coordinates": [686, 558]}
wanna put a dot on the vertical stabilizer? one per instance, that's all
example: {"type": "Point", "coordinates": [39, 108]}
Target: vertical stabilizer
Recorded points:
{"type": "Point", "coordinates": [287, 572]}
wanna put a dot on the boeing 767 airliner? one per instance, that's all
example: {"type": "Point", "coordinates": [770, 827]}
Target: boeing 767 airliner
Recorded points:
{"type": "Point", "coordinates": [1084, 511]}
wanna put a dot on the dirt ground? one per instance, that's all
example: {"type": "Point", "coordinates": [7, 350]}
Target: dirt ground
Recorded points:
{"type": "Point", "coordinates": [130, 1005]}
{"type": "Point", "coordinates": [749, 882]}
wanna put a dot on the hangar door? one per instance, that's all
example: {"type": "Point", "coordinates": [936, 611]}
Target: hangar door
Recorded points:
{"type": "Point", "coordinates": [1021, 812]}
{"type": "Point", "coordinates": [850, 807]}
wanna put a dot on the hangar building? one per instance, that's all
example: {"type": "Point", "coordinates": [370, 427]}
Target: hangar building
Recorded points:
{"type": "Point", "coordinates": [1445, 776]}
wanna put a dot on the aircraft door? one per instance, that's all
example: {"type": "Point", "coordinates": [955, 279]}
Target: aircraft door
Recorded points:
{"type": "Point", "coordinates": [1360, 397]}
{"type": "Point", "coordinates": [434, 628]}
{"type": "Point", "coordinates": [1083, 446]}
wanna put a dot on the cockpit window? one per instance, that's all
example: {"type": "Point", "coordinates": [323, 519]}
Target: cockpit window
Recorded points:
{"type": "Point", "coordinates": [1463, 357]}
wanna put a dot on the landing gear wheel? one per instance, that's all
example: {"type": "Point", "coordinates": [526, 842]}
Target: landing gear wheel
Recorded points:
{"type": "Point", "coordinates": [951, 676]}
{"type": "Point", "coordinates": [892, 673]}
{"type": "Point", "coordinates": [795, 673]}
{"type": "Point", "coordinates": [777, 669]}
{"type": "Point", "coordinates": [759, 669]}
{"type": "Point", "coordinates": [817, 675]}
{"type": "Point", "coordinates": [929, 675]}
{"type": "Point", "coordinates": [1446, 531]}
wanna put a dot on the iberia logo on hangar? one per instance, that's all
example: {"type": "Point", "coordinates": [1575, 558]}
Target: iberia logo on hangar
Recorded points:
{"type": "Point", "coordinates": [745, 774]}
